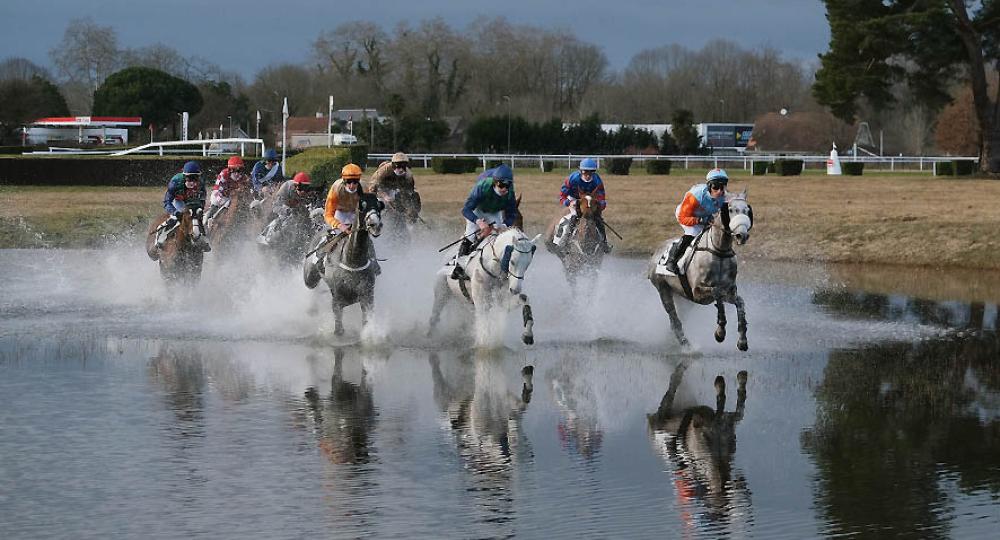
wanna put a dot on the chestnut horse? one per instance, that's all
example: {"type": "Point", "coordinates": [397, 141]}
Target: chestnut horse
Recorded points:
{"type": "Point", "coordinates": [179, 257]}
{"type": "Point", "coordinates": [583, 251]}
{"type": "Point", "coordinates": [233, 223]}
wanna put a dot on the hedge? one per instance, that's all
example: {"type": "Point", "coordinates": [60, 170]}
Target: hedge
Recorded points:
{"type": "Point", "coordinates": [493, 163]}
{"type": "Point", "coordinates": [101, 171]}
{"type": "Point", "coordinates": [324, 164]}
{"type": "Point", "coordinates": [443, 165]}
{"type": "Point", "coordinates": [618, 165]}
{"type": "Point", "coordinates": [760, 168]}
{"type": "Point", "coordinates": [852, 168]}
{"type": "Point", "coordinates": [963, 167]}
{"type": "Point", "coordinates": [547, 166]}
{"type": "Point", "coordinates": [788, 167]}
{"type": "Point", "coordinates": [944, 168]}
{"type": "Point", "coordinates": [658, 166]}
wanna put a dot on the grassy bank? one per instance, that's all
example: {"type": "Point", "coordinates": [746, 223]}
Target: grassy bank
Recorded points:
{"type": "Point", "coordinates": [910, 219]}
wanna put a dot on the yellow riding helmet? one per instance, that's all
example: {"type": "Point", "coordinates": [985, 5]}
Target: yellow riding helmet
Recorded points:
{"type": "Point", "coordinates": [350, 172]}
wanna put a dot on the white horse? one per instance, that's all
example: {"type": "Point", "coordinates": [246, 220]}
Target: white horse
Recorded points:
{"type": "Point", "coordinates": [708, 270]}
{"type": "Point", "coordinates": [496, 272]}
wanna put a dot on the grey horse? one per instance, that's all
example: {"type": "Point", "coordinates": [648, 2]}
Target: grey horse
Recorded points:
{"type": "Point", "coordinates": [350, 267]}
{"type": "Point", "coordinates": [708, 271]}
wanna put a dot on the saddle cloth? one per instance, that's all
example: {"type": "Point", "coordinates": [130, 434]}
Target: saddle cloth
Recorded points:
{"type": "Point", "coordinates": [682, 263]}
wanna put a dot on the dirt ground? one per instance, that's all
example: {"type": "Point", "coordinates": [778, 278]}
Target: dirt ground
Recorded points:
{"type": "Point", "coordinates": [898, 219]}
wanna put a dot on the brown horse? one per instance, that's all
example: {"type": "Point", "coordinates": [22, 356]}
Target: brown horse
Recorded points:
{"type": "Point", "coordinates": [583, 251]}
{"type": "Point", "coordinates": [232, 223]}
{"type": "Point", "coordinates": [179, 257]}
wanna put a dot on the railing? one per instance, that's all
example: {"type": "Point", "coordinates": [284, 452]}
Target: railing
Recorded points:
{"type": "Point", "coordinates": [744, 161]}
{"type": "Point", "coordinates": [205, 147]}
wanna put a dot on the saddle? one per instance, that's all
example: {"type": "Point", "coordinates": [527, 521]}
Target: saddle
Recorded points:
{"type": "Point", "coordinates": [682, 263]}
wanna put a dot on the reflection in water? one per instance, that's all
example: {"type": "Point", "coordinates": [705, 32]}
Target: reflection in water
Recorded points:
{"type": "Point", "coordinates": [579, 431]}
{"type": "Point", "coordinates": [484, 410]}
{"type": "Point", "coordinates": [970, 315]}
{"type": "Point", "coordinates": [344, 421]}
{"type": "Point", "coordinates": [893, 421]}
{"type": "Point", "coordinates": [700, 442]}
{"type": "Point", "coordinates": [181, 372]}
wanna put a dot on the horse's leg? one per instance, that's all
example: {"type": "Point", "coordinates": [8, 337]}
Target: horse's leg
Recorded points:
{"type": "Point", "coordinates": [720, 320]}
{"type": "Point", "coordinates": [741, 327]}
{"type": "Point", "coordinates": [440, 299]}
{"type": "Point", "coordinates": [338, 316]}
{"type": "Point", "coordinates": [529, 322]}
{"type": "Point", "coordinates": [720, 396]}
{"type": "Point", "coordinates": [367, 305]}
{"type": "Point", "coordinates": [667, 298]}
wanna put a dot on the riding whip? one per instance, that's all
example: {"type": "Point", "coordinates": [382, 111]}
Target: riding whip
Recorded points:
{"type": "Point", "coordinates": [466, 237]}
{"type": "Point", "coordinates": [611, 229]}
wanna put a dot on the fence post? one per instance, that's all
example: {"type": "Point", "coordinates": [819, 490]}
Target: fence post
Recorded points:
{"type": "Point", "coordinates": [685, 162]}
{"type": "Point", "coordinates": [892, 164]}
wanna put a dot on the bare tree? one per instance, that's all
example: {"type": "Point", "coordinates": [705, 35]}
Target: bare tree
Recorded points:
{"type": "Point", "coordinates": [15, 67]}
{"type": "Point", "coordinates": [87, 54]}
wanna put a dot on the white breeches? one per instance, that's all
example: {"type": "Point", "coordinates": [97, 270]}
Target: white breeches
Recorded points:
{"type": "Point", "coordinates": [690, 230]}
{"type": "Point", "coordinates": [217, 199]}
{"type": "Point", "coordinates": [496, 218]}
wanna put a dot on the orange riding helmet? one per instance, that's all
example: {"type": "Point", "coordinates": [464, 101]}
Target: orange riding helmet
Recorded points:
{"type": "Point", "coordinates": [350, 172]}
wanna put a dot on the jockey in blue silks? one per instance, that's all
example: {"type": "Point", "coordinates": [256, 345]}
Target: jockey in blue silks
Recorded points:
{"type": "Point", "coordinates": [266, 174]}
{"type": "Point", "coordinates": [491, 203]}
{"type": "Point", "coordinates": [582, 183]}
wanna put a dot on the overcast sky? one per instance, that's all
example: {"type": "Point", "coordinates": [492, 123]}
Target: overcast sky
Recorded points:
{"type": "Point", "coordinates": [246, 35]}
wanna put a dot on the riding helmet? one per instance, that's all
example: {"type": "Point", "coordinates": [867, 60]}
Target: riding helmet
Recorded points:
{"type": "Point", "coordinates": [588, 164]}
{"type": "Point", "coordinates": [301, 178]}
{"type": "Point", "coordinates": [717, 177]}
{"type": "Point", "coordinates": [270, 155]}
{"type": "Point", "coordinates": [400, 157]}
{"type": "Point", "coordinates": [235, 162]}
{"type": "Point", "coordinates": [350, 172]}
{"type": "Point", "coordinates": [192, 168]}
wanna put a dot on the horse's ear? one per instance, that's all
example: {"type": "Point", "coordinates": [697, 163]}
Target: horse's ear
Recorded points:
{"type": "Point", "coordinates": [535, 239]}
{"type": "Point", "coordinates": [746, 192]}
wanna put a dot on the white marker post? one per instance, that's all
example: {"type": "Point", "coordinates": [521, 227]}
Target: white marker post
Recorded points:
{"type": "Point", "coordinates": [329, 124]}
{"type": "Point", "coordinates": [833, 162]}
{"type": "Point", "coordinates": [284, 134]}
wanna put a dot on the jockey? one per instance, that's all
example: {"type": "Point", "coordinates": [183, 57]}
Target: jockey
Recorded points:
{"type": "Point", "coordinates": [290, 195]}
{"type": "Point", "coordinates": [695, 212]}
{"type": "Point", "coordinates": [393, 180]}
{"type": "Point", "coordinates": [184, 191]}
{"type": "Point", "coordinates": [266, 174]}
{"type": "Point", "coordinates": [580, 184]}
{"type": "Point", "coordinates": [491, 203]}
{"type": "Point", "coordinates": [229, 179]}
{"type": "Point", "coordinates": [340, 212]}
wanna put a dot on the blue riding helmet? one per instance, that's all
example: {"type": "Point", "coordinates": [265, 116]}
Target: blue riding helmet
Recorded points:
{"type": "Point", "coordinates": [270, 155]}
{"type": "Point", "coordinates": [588, 164]}
{"type": "Point", "coordinates": [504, 173]}
{"type": "Point", "coordinates": [192, 167]}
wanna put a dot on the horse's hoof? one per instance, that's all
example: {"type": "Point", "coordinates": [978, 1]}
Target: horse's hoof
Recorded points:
{"type": "Point", "coordinates": [742, 345]}
{"type": "Point", "coordinates": [528, 339]}
{"type": "Point", "coordinates": [720, 334]}
{"type": "Point", "coordinates": [741, 378]}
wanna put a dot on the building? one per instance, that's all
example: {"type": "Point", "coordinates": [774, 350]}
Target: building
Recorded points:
{"type": "Point", "coordinates": [81, 130]}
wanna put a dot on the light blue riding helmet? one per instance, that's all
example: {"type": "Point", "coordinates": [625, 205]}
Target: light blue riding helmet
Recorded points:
{"type": "Point", "coordinates": [588, 164]}
{"type": "Point", "coordinates": [717, 177]}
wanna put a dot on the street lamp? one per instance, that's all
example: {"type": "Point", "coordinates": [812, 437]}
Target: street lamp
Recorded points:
{"type": "Point", "coordinates": [507, 98]}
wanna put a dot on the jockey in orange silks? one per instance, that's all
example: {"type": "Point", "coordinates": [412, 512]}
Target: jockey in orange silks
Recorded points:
{"type": "Point", "coordinates": [695, 212]}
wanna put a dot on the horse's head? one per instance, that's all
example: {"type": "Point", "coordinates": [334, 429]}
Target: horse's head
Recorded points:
{"type": "Point", "coordinates": [589, 208]}
{"type": "Point", "coordinates": [737, 217]}
{"type": "Point", "coordinates": [370, 213]}
{"type": "Point", "coordinates": [517, 252]}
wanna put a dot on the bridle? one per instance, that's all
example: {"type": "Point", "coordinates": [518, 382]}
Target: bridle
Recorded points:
{"type": "Point", "coordinates": [504, 259]}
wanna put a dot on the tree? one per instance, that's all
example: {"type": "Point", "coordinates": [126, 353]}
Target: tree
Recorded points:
{"type": "Point", "coordinates": [924, 44]}
{"type": "Point", "coordinates": [139, 91]}
{"type": "Point", "coordinates": [26, 100]}
{"type": "Point", "coordinates": [88, 53]}
{"type": "Point", "coordinates": [685, 134]}
{"type": "Point", "coordinates": [957, 129]}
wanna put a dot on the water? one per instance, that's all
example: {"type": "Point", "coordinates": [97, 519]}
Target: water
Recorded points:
{"type": "Point", "coordinates": [232, 411]}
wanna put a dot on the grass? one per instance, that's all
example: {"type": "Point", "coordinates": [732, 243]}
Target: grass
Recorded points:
{"type": "Point", "coordinates": [909, 219]}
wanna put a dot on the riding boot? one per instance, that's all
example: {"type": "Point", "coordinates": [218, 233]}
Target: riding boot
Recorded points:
{"type": "Point", "coordinates": [604, 236]}
{"type": "Point", "coordinates": [164, 230]}
{"type": "Point", "coordinates": [463, 249]}
{"type": "Point", "coordinates": [676, 251]}
{"type": "Point", "coordinates": [566, 228]}
{"type": "Point", "coordinates": [203, 234]}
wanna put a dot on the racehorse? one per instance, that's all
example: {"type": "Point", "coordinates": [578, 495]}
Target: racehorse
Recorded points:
{"type": "Point", "coordinates": [496, 271]}
{"type": "Point", "coordinates": [350, 268]}
{"type": "Point", "coordinates": [233, 222]}
{"type": "Point", "coordinates": [708, 270]}
{"type": "Point", "coordinates": [701, 442]}
{"type": "Point", "coordinates": [179, 257]}
{"type": "Point", "coordinates": [584, 250]}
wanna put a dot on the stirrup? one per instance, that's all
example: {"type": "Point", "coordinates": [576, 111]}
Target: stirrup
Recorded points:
{"type": "Point", "coordinates": [459, 274]}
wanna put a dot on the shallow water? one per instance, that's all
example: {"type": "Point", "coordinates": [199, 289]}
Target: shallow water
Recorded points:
{"type": "Point", "coordinates": [232, 411]}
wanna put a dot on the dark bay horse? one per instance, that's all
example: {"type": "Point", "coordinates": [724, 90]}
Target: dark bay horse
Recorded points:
{"type": "Point", "coordinates": [708, 271]}
{"type": "Point", "coordinates": [180, 258]}
{"type": "Point", "coordinates": [583, 251]}
{"type": "Point", "coordinates": [350, 268]}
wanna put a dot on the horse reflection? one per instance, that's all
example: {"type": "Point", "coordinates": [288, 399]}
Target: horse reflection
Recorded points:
{"type": "Point", "coordinates": [484, 409]}
{"type": "Point", "coordinates": [579, 432]}
{"type": "Point", "coordinates": [700, 442]}
{"type": "Point", "coordinates": [345, 420]}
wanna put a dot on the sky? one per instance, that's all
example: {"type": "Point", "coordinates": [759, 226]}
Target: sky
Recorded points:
{"type": "Point", "coordinates": [247, 35]}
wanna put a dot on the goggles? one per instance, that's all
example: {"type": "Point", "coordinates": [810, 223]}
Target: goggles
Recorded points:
{"type": "Point", "coordinates": [352, 180]}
